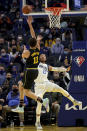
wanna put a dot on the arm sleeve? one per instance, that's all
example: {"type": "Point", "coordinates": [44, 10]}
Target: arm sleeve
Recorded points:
{"type": "Point", "coordinates": [59, 69]}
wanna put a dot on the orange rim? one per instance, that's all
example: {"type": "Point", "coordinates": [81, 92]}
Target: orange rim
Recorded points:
{"type": "Point", "coordinates": [55, 10]}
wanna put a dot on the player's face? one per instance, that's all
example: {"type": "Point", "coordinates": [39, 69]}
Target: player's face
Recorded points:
{"type": "Point", "coordinates": [42, 57]}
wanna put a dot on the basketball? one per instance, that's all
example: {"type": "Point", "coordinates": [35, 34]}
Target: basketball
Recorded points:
{"type": "Point", "coordinates": [27, 9]}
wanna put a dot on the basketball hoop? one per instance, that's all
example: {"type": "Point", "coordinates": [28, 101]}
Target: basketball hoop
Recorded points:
{"type": "Point", "coordinates": [54, 14]}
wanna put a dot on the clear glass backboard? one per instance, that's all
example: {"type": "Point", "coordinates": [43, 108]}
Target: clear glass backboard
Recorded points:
{"type": "Point", "coordinates": [73, 7]}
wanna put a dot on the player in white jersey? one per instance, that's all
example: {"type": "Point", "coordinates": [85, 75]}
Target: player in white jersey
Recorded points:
{"type": "Point", "coordinates": [43, 85]}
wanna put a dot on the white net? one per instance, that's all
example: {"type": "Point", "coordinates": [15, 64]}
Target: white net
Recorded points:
{"type": "Point", "coordinates": [54, 21]}
{"type": "Point", "coordinates": [54, 16]}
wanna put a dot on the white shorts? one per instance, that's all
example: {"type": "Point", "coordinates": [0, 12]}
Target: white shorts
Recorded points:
{"type": "Point", "coordinates": [46, 86]}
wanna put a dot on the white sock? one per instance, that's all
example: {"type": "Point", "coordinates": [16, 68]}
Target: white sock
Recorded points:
{"type": "Point", "coordinates": [37, 118]}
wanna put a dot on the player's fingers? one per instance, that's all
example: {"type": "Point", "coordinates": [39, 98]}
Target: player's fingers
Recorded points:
{"type": "Point", "coordinates": [39, 37]}
{"type": "Point", "coordinates": [30, 7]}
{"type": "Point", "coordinates": [69, 68]}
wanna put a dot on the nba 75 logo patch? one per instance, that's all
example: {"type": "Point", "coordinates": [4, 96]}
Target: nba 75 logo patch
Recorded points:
{"type": "Point", "coordinates": [79, 60]}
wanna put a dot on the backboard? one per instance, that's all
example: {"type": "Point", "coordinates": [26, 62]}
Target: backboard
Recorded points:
{"type": "Point", "coordinates": [72, 7]}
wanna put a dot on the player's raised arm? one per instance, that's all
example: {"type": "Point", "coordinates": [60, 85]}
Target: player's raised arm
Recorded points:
{"type": "Point", "coordinates": [39, 38]}
{"type": "Point", "coordinates": [32, 32]}
{"type": "Point", "coordinates": [59, 69]}
{"type": "Point", "coordinates": [25, 53]}
{"type": "Point", "coordinates": [29, 21]}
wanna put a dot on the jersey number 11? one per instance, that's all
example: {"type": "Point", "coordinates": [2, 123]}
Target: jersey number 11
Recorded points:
{"type": "Point", "coordinates": [36, 60]}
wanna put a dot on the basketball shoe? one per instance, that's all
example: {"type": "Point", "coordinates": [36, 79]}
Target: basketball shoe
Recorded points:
{"type": "Point", "coordinates": [77, 103]}
{"type": "Point", "coordinates": [38, 126]}
{"type": "Point", "coordinates": [46, 104]}
{"type": "Point", "coordinates": [18, 109]}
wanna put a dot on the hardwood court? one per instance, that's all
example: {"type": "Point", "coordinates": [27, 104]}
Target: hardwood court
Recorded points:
{"type": "Point", "coordinates": [45, 128]}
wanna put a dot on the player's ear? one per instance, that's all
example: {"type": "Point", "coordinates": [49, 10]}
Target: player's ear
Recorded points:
{"type": "Point", "coordinates": [25, 47]}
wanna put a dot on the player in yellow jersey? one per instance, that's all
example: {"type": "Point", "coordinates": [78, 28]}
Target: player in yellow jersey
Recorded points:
{"type": "Point", "coordinates": [31, 71]}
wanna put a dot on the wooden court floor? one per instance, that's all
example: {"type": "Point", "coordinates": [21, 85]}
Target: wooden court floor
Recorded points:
{"type": "Point", "coordinates": [45, 128]}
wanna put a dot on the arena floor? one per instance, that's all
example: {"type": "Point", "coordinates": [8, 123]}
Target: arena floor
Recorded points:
{"type": "Point", "coordinates": [45, 128]}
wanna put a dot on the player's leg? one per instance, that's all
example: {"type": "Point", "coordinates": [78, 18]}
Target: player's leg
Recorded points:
{"type": "Point", "coordinates": [29, 93]}
{"type": "Point", "coordinates": [30, 76]}
{"type": "Point", "coordinates": [21, 91]}
{"type": "Point", "coordinates": [38, 114]}
{"type": "Point", "coordinates": [25, 88]}
{"type": "Point", "coordinates": [52, 87]}
{"type": "Point", "coordinates": [20, 108]}
{"type": "Point", "coordinates": [32, 95]}
{"type": "Point", "coordinates": [39, 91]}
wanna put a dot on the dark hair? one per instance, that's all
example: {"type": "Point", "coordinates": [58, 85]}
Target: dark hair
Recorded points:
{"type": "Point", "coordinates": [32, 42]}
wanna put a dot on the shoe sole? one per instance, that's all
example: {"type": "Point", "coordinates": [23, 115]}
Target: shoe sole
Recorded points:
{"type": "Point", "coordinates": [39, 128]}
{"type": "Point", "coordinates": [17, 112]}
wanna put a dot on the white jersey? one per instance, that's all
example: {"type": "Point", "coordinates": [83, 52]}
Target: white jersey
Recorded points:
{"type": "Point", "coordinates": [42, 73]}
{"type": "Point", "coordinates": [42, 84]}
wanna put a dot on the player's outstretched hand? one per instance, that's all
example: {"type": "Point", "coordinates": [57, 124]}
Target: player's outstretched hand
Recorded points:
{"type": "Point", "coordinates": [39, 37]}
{"type": "Point", "coordinates": [69, 68]}
{"type": "Point", "coordinates": [25, 50]}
